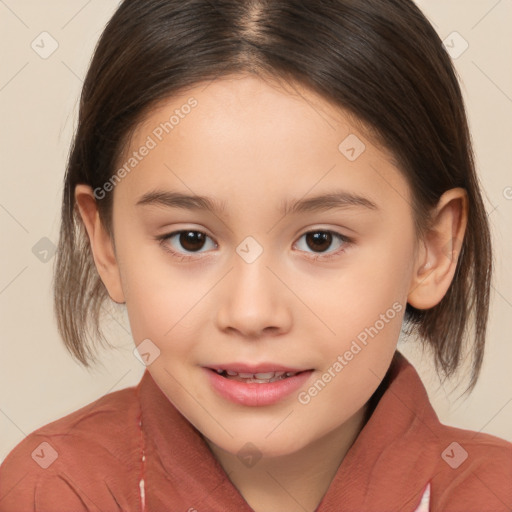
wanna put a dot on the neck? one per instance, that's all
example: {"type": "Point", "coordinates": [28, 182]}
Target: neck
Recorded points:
{"type": "Point", "coordinates": [296, 481]}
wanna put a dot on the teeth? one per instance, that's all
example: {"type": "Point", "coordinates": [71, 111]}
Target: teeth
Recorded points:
{"type": "Point", "coordinates": [262, 377]}
{"type": "Point", "coordinates": [268, 375]}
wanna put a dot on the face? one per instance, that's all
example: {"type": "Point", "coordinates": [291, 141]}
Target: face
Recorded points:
{"type": "Point", "coordinates": [264, 272]}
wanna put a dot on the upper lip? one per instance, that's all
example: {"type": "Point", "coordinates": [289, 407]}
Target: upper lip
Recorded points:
{"type": "Point", "coordinates": [258, 368]}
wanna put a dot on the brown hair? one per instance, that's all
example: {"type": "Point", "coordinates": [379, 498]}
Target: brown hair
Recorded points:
{"type": "Point", "coordinates": [379, 60]}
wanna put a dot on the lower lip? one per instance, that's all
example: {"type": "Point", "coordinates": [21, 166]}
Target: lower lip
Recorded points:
{"type": "Point", "coordinates": [254, 394]}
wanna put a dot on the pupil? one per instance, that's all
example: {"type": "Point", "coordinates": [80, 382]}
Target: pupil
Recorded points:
{"type": "Point", "coordinates": [190, 239]}
{"type": "Point", "coordinates": [194, 240]}
{"type": "Point", "coordinates": [321, 240]}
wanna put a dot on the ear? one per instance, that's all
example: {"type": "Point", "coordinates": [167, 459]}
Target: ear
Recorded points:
{"type": "Point", "coordinates": [438, 253]}
{"type": "Point", "coordinates": [101, 244]}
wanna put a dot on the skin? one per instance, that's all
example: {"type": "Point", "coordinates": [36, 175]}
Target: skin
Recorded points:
{"type": "Point", "coordinates": [252, 144]}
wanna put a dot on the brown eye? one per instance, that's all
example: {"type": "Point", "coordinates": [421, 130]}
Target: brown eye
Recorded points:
{"type": "Point", "coordinates": [186, 241]}
{"type": "Point", "coordinates": [192, 240]}
{"type": "Point", "coordinates": [323, 243]}
{"type": "Point", "coordinates": [319, 240]}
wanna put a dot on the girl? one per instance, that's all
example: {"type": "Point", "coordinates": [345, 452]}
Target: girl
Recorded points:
{"type": "Point", "coordinates": [273, 188]}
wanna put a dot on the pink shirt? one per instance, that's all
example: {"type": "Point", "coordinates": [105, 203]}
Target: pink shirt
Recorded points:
{"type": "Point", "coordinates": [404, 460]}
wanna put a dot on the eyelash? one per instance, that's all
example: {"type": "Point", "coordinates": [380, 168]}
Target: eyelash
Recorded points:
{"type": "Point", "coordinates": [319, 256]}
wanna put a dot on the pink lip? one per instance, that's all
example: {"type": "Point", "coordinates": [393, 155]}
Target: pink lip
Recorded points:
{"type": "Point", "coordinates": [252, 393]}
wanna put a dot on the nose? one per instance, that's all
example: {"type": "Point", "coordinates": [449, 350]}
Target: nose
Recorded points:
{"type": "Point", "coordinates": [253, 302]}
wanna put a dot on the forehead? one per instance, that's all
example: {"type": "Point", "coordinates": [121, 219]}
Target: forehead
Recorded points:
{"type": "Point", "coordinates": [250, 136]}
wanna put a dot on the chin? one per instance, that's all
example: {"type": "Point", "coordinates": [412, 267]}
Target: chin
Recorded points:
{"type": "Point", "coordinates": [261, 447]}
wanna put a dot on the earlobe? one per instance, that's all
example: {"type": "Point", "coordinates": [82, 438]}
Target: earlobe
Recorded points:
{"type": "Point", "coordinates": [100, 242]}
{"type": "Point", "coordinates": [440, 249]}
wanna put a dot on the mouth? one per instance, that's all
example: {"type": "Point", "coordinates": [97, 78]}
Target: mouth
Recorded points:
{"type": "Point", "coordinates": [254, 385]}
{"type": "Point", "coordinates": [257, 377]}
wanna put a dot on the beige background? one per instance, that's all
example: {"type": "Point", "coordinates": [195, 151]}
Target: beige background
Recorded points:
{"type": "Point", "coordinates": [39, 382]}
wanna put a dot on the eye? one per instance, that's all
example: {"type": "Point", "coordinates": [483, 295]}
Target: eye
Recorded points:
{"type": "Point", "coordinates": [194, 241]}
{"type": "Point", "coordinates": [321, 240]}
{"type": "Point", "coordinates": [190, 240]}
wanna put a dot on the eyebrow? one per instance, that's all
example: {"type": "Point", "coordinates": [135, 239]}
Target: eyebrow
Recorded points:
{"type": "Point", "coordinates": [338, 199]}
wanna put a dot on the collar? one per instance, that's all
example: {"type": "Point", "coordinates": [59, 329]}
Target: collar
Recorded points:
{"type": "Point", "coordinates": [384, 469]}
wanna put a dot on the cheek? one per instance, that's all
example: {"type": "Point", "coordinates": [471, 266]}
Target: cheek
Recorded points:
{"type": "Point", "coordinates": [366, 285]}
{"type": "Point", "coordinates": [155, 298]}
